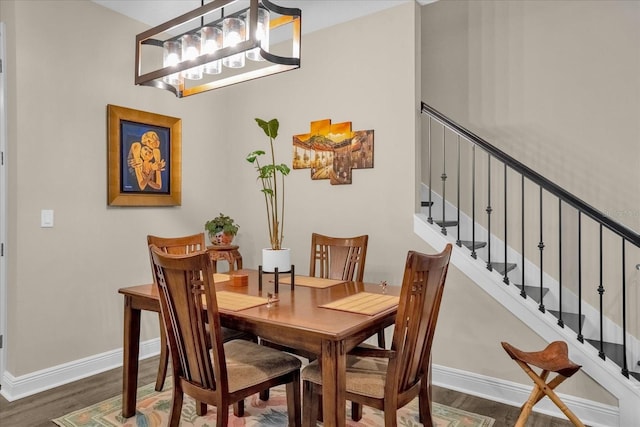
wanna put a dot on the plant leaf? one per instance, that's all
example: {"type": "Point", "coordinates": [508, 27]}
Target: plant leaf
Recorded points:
{"type": "Point", "coordinates": [251, 157]}
{"type": "Point", "coordinates": [270, 128]}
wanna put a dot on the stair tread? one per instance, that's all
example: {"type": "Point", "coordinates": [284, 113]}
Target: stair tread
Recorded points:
{"type": "Point", "coordinates": [569, 319]}
{"type": "Point", "coordinates": [612, 350]}
{"type": "Point", "coordinates": [469, 244]}
{"type": "Point", "coordinates": [500, 267]}
{"type": "Point", "coordinates": [446, 223]}
{"type": "Point", "coordinates": [533, 292]}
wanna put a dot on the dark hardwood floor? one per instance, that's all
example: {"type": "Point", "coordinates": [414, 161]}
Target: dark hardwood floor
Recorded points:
{"type": "Point", "coordinates": [38, 410]}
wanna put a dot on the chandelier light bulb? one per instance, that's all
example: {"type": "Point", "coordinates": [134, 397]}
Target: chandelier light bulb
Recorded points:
{"type": "Point", "coordinates": [172, 54]}
{"type": "Point", "coordinates": [190, 51]}
{"type": "Point", "coordinates": [210, 42]}
{"type": "Point", "coordinates": [233, 32]}
{"type": "Point", "coordinates": [262, 34]}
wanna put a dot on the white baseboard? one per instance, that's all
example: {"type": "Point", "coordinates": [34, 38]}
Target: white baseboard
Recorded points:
{"type": "Point", "coordinates": [591, 413]}
{"type": "Point", "coordinates": [14, 388]}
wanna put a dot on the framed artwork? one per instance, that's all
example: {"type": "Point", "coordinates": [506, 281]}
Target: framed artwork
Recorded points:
{"type": "Point", "coordinates": [144, 158]}
{"type": "Point", "coordinates": [332, 150]}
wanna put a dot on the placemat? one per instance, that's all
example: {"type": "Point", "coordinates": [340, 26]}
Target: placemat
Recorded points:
{"type": "Point", "coordinates": [234, 301]}
{"type": "Point", "coordinates": [311, 282]}
{"type": "Point", "coordinates": [364, 303]}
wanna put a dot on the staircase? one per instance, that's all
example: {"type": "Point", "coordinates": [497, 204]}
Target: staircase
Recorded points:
{"type": "Point", "coordinates": [538, 250]}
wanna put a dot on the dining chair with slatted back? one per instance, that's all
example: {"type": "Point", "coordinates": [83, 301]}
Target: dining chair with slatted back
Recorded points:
{"type": "Point", "coordinates": [180, 246]}
{"type": "Point", "coordinates": [340, 258]}
{"type": "Point", "coordinates": [204, 367]}
{"type": "Point", "coordinates": [390, 379]}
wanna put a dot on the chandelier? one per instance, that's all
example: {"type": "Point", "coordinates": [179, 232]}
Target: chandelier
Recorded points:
{"type": "Point", "coordinates": [203, 49]}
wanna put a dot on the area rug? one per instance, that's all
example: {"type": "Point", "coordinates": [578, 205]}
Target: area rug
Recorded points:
{"type": "Point", "coordinates": [153, 411]}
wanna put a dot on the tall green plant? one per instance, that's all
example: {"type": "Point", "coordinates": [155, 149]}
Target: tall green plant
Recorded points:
{"type": "Point", "coordinates": [267, 175]}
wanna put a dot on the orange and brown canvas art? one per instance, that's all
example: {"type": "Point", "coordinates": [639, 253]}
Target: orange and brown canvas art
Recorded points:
{"type": "Point", "coordinates": [332, 151]}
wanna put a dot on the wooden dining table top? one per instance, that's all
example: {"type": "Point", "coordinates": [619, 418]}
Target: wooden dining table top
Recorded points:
{"type": "Point", "coordinates": [300, 307]}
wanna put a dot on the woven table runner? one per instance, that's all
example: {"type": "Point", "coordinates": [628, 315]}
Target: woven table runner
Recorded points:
{"type": "Point", "coordinates": [364, 303]}
{"type": "Point", "coordinates": [311, 282]}
{"type": "Point", "coordinates": [234, 301]}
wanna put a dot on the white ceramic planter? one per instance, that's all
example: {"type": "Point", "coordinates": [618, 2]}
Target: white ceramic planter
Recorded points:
{"type": "Point", "coordinates": [280, 258]}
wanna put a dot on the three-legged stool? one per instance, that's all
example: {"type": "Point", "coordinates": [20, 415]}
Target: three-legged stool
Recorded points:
{"type": "Point", "coordinates": [554, 358]}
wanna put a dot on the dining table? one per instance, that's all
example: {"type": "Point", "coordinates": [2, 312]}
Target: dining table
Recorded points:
{"type": "Point", "coordinates": [320, 316]}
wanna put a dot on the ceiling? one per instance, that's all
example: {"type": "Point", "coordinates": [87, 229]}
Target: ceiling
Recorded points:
{"type": "Point", "coordinates": [316, 14]}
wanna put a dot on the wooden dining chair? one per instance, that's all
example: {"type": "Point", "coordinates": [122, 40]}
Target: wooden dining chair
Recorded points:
{"type": "Point", "coordinates": [390, 379]}
{"type": "Point", "coordinates": [204, 367]}
{"type": "Point", "coordinates": [181, 246]}
{"type": "Point", "coordinates": [340, 258]}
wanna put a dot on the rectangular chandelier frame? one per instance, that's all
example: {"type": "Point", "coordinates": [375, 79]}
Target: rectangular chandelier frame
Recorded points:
{"type": "Point", "coordinates": [277, 64]}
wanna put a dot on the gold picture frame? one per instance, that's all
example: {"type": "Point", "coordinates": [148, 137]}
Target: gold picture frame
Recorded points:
{"type": "Point", "coordinates": [144, 163]}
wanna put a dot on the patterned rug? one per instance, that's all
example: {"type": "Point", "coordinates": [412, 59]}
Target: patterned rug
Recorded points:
{"type": "Point", "coordinates": [153, 411]}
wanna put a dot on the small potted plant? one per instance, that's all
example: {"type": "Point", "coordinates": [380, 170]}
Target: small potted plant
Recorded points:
{"type": "Point", "coordinates": [222, 229]}
{"type": "Point", "coordinates": [271, 177]}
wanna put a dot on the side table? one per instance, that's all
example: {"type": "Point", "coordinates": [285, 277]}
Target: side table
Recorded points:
{"type": "Point", "coordinates": [228, 253]}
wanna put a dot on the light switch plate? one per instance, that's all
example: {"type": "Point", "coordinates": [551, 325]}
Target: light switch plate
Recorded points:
{"type": "Point", "coordinates": [46, 218]}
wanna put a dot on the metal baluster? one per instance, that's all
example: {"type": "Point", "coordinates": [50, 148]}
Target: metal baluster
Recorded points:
{"type": "Point", "coordinates": [430, 202]}
{"type": "Point", "coordinates": [560, 321]}
{"type": "Point", "coordinates": [473, 203]}
{"type": "Point", "coordinates": [601, 292]}
{"type": "Point", "coordinates": [458, 238]}
{"type": "Point", "coordinates": [580, 337]}
{"type": "Point", "coordinates": [505, 278]}
{"type": "Point", "coordinates": [523, 292]}
{"type": "Point", "coordinates": [541, 247]}
{"type": "Point", "coordinates": [625, 369]}
{"type": "Point", "coordinates": [489, 266]}
{"type": "Point", "coordinates": [443, 229]}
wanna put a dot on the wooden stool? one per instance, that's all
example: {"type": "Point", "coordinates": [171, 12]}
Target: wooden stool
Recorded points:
{"type": "Point", "coordinates": [228, 253]}
{"type": "Point", "coordinates": [554, 358]}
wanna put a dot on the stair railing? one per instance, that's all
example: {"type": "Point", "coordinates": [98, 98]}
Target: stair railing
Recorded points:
{"type": "Point", "coordinates": [617, 352]}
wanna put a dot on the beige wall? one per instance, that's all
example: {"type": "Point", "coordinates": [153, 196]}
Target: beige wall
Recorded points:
{"type": "Point", "coordinates": [62, 289]}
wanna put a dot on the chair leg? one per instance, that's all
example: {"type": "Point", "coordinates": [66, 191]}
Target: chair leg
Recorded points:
{"type": "Point", "coordinates": [381, 339]}
{"type": "Point", "coordinates": [294, 402]}
{"type": "Point", "coordinates": [222, 414]}
{"type": "Point", "coordinates": [201, 408]}
{"type": "Point", "coordinates": [264, 395]}
{"type": "Point", "coordinates": [164, 357]}
{"type": "Point", "coordinates": [390, 417]}
{"type": "Point", "coordinates": [356, 411]}
{"type": "Point", "coordinates": [425, 404]}
{"type": "Point", "coordinates": [309, 406]}
{"type": "Point", "coordinates": [238, 408]}
{"type": "Point", "coordinates": [176, 408]}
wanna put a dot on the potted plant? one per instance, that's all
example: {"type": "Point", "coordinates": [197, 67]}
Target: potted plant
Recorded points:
{"type": "Point", "coordinates": [222, 229]}
{"type": "Point", "coordinates": [271, 177]}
